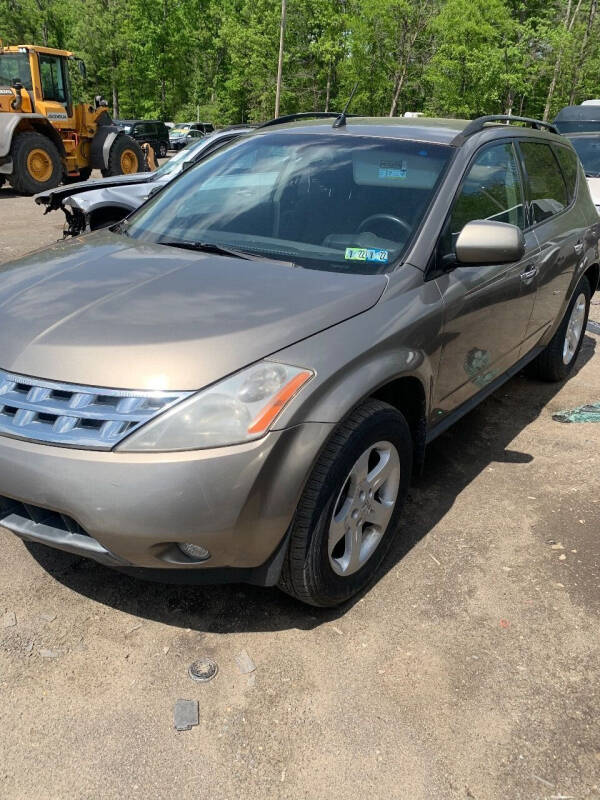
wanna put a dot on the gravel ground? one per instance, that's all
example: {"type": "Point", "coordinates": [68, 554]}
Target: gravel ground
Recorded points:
{"type": "Point", "coordinates": [469, 670]}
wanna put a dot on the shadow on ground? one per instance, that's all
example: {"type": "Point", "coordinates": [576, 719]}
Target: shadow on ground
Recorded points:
{"type": "Point", "coordinates": [453, 461]}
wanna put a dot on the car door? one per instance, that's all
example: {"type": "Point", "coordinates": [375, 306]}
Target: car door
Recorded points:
{"type": "Point", "coordinates": [486, 307]}
{"type": "Point", "coordinates": [550, 184]}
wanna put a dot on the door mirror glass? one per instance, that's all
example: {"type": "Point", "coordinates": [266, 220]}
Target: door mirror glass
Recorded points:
{"type": "Point", "coordinates": [489, 242]}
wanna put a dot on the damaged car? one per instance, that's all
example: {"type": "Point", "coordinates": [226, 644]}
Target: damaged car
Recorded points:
{"type": "Point", "coordinates": [95, 204]}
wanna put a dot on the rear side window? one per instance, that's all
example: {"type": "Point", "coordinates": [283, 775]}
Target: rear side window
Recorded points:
{"type": "Point", "coordinates": [569, 164]}
{"type": "Point", "coordinates": [547, 190]}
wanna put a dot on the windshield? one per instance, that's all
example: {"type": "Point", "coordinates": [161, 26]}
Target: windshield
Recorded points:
{"type": "Point", "coordinates": [176, 162]}
{"type": "Point", "coordinates": [333, 202]}
{"type": "Point", "coordinates": [15, 66]}
{"type": "Point", "coordinates": [588, 150]}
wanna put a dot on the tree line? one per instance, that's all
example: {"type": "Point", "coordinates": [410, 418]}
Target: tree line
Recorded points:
{"type": "Point", "coordinates": [217, 60]}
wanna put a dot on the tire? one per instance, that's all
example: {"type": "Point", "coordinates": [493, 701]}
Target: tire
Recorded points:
{"type": "Point", "coordinates": [37, 165]}
{"type": "Point", "coordinates": [125, 157]}
{"type": "Point", "coordinates": [554, 363]}
{"type": "Point", "coordinates": [162, 150]}
{"type": "Point", "coordinates": [2, 179]}
{"type": "Point", "coordinates": [312, 571]}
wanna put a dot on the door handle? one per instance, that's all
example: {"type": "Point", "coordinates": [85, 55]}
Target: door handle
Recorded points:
{"type": "Point", "coordinates": [529, 273]}
{"type": "Point", "coordinates": [578, 248]}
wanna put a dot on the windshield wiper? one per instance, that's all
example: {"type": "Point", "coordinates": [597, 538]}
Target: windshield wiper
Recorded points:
{"type": "Point", "coordinates": [208, 247]}
{"type": "Point", "coordinates": [220, 250]}
{"type": "Point", "coordinates": [592, 174]}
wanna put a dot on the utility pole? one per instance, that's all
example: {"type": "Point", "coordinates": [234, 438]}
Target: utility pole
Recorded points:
{"type": "Point", "coordinates": [280, 62]}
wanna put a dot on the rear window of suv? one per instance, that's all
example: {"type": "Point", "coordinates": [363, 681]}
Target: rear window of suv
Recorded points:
{"type": "Point", "coordinates": [547, 190]}
{"type": "Point", "coordinates": [569, 164]}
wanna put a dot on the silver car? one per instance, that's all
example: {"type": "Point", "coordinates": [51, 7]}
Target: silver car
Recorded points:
{"type": "Point", "coordinates": [95, 204]}
{"type": "Point", "coordinates": [235, 383]}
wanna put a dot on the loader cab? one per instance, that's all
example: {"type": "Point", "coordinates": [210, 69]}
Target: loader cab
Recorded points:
{"type": "Point", "coordinates": [44, 75]}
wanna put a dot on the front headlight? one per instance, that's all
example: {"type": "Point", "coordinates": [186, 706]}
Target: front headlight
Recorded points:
{"type": "Point", "coordinates": [235, 410]}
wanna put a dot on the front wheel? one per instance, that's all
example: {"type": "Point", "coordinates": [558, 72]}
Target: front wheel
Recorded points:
{"type": "Point", "coordinates": [350, 507]}
{"type": "Point", "coordinates": [162, 150]}
{"type": "Point", "coordinates": [556, 361]}
{"type": "Point", "coordinates": [125, 157]}
{"type": "Point", "coordinates": [37, 165]}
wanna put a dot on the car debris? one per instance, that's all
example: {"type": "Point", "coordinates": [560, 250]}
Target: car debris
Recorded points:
{"type": "Point", "coordinates": [9, 619]}
{"type": "Point", "coordinates": [186, 715]}
{"type": "Point", "coordinates": [245, 663]}
{"type": "Point", "coordinates": [586, 413]}
{"type": "Point", "coordinates": [203, 670]}
{"type": "Point", "coordinates": [46, 653]}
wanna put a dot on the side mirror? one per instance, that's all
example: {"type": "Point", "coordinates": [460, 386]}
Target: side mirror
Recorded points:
{"type": "Point", "coordinates": [487, 242]}
{"type": "Point", "coordinates": [82, 69]}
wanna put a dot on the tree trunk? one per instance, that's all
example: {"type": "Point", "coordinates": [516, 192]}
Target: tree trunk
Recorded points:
{"type": "Point", "coordinates": [328, 90]}
{"type": "Point", "coordinates": [115, 101]}
{"type": "Point", "coordinates": [568, 25]}
{"type": "Point", "coordinates": [397, 90]}
{"type": "Point", "coordinates": [582, 52]}
{"type": "Point", "coordinates": [280, 61]}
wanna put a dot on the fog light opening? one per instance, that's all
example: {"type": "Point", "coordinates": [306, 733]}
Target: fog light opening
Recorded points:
{"type": "Point", "coordinates": [194, 551]}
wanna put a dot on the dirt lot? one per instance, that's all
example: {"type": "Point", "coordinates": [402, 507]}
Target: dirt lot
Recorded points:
{"type": "Point", "coordinates": [470, 670]}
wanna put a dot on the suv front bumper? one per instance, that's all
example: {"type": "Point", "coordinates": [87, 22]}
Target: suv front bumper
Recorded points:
{"type": "Point", "coordinates": [129, 510]}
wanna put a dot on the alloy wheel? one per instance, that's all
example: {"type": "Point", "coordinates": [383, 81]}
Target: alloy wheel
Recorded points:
{"type": "Point", "coordinates": [574, 329]}
{"type": "Point", "coordinates": [363, 508]}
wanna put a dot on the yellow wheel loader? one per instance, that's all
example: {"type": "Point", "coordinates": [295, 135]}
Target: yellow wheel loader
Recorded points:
{"type": "Point", "coordinates": [46, 138]}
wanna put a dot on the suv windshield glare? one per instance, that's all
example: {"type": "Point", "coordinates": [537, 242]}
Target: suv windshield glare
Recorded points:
{"type": "Point", "coordinates": [333, 202]}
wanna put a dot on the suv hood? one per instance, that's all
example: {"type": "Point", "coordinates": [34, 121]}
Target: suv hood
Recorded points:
{"type": "Point", "coordinates": [127, 197]}
{"type": "Point", "coordinates": [103, 310]}
{"type": "Point", "coordinates": [52, 197]}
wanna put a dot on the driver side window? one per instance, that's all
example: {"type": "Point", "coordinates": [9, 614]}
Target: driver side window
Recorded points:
{"type": "Point", "coordinates": [492, 190]}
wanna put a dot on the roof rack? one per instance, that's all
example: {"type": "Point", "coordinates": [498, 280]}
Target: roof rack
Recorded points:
{"type": "Point", "coordinates": [478, 124]}
{"type": "Point", "coordinates": [302, 115]}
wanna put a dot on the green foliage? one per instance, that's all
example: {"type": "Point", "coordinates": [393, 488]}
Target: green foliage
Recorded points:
{"type": "Point", "coordinates": [177, 59]}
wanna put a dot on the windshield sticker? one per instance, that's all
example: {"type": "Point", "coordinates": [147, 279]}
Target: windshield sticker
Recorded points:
{"type": "Point", "coordinates": [366, 254]}
{"type": "Point", "coordinates": [396, 170]}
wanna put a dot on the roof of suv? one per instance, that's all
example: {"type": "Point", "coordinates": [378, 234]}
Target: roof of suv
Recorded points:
{"type": "Point", "coordinates": [439, 131]}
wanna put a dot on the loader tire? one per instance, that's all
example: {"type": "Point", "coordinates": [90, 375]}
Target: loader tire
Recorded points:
{"type": "Point", "coordinates": [125, 157]}
{"type": "Point", "coordinates": [37, 165]}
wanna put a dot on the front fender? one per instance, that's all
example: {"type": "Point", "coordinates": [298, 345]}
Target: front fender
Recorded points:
{"type": "Point", "coordinates": [10, 122]}
{"type": "Point", "coordinates": [398, 337]}
{"type": "Point", "coordinates": [101, 144]}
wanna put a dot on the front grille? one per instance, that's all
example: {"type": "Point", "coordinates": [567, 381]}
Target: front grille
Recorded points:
{"type": "Point", "coordinates": [40, 516]}
{"type": "Point", "coordinates": [75, 416]}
